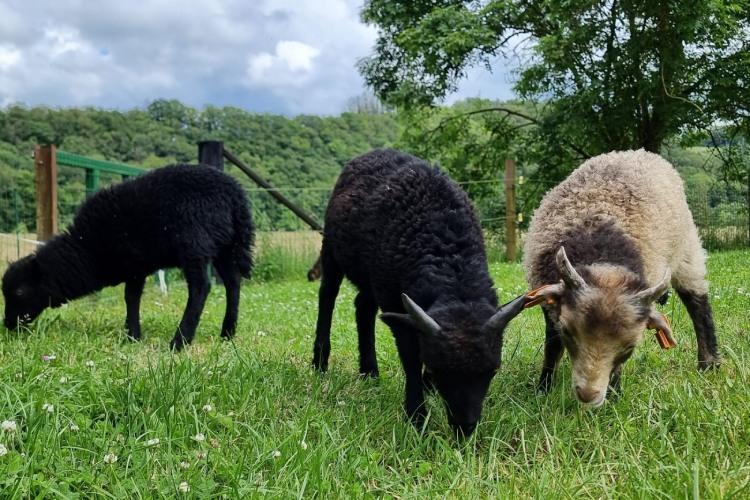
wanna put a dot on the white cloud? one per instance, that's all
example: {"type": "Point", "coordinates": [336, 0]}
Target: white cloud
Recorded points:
{"type": "Point", "coordinates": [9, 56]}
{"type": "Point", "coordinates": [289, 66]}
{"type": "Point", "coordinates": [277, 56]}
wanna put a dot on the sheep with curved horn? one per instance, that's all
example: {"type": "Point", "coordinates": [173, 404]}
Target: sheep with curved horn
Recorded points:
{"type": "Point", "coordinates": [608, 242]}
{"type": "Point", "coordinates": [409, 239]}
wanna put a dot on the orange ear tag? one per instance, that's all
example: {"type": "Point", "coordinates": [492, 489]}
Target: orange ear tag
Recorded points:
{"type": "Point", "coordinates": [661, 337]}
{"type": "Point", "coordinates": [538, 300]}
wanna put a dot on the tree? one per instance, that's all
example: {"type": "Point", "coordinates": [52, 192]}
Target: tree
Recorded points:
{"type": "Point", "coordinates": [612, 74]}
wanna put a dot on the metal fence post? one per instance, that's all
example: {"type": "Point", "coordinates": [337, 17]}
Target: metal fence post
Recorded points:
{"type": "Point", "coordinates": [92, 181]}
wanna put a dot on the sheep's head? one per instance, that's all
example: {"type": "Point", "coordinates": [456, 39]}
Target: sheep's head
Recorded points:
{"type": "Point", "coordinates": [24, 298]}
{"type": "Point", "coordinates": [460, 345]}
{"type": "Point", "coordinates": [600, 320]}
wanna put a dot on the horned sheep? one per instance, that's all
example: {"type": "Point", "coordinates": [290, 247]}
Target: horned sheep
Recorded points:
{"type": "Point", "coordinates": [608, 241]}
{"type": "Point", "coordinates": [409, 239]}
{"type": "Point", "coordinates": [183, 216]}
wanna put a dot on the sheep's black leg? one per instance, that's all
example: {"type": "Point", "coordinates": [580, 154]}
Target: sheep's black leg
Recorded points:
{"type": "Point", "coordinates": [231, 278]}
{"type": "Point", "coordinates": [366, 311]}
{"type": "Point", "coordinates": [553, 350]}
{"type": "Point", "coordinates": [428, 381]}
{"type": "Point", "coordinates": [196, 275]}
{"type": "Point", "coordinates": [133, 293]}
{"type": "Point", "coordinates": [615, 383]}
{"type": "Point", "coordinates": [699, 309]}
{"type": "Point", "coordinates": [329, 289]}
{"type": "Point", "coordinates": [408, 351]}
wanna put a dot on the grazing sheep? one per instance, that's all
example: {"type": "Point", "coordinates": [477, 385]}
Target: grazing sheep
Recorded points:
{"type": "Point", "coordinates": [177, 216]}
{"type": "Point", "coordinates": [409, 239]}
{"type": "Point", "coordinates": [609, 240]}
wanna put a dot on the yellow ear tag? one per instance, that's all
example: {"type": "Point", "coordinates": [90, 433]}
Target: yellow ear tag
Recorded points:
{"type": "Point", "coordinates": [661, 337]}
{"type": "Point", "coordinates": [537, 300]}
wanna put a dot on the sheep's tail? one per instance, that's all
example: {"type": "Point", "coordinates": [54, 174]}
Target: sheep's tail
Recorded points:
{"type": "Point", "coordinates": [244, 239]}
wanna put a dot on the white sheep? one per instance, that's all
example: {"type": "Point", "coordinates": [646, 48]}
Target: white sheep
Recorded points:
{"type": "Point", "coordinates": [608, 241]}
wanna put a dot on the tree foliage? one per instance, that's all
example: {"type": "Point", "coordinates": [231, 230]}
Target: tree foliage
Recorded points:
{"type": "Point", "coordinates": [612, 74]}
{"type": "Point", "coordinates": [304, 152]}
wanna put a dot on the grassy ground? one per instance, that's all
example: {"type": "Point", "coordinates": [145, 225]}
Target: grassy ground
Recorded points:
{"type": "Point", "coordinates": [94, 417]}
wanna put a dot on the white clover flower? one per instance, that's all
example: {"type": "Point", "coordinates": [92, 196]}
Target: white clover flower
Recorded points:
{"type": "Point", "coordinates": [199, 437]}
{"type": "Point", "coordinates": [110, 458]}
{"type": "Point", "coordinates": [90, 364]}
{"type": "Point", "coordinates": [202, 454]}
{"type": "Point", "coordinates": [19, 375]}
{"type": "Point", "coordinates": [185, 465]}
{"type": "Point", "coordinates": [303, 445]}
{"type": "Point", "coordinates": [3, 450]}
{"type": "Point", "coordinates": [207, 408]}
{"type": "Point", "coordinates": [261, 333]}
{"type": "Point", "coordinates": [153, 442]}
{"type": "Point", "coordinates": [8, 426]}
{"type": "Point", "coordinates": [184, 487]}
{"type": "Point", "coordinates": [276, 454]}
{"type": "Point", "coordinates": [74, 428]}
{"type": "Point", "coordinates": [49, 408]}
{"type": "Point", "coordinates": [63, 380]}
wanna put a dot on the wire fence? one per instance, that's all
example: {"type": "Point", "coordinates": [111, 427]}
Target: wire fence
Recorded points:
{"type": "Point", "coordinates": [721, 214]}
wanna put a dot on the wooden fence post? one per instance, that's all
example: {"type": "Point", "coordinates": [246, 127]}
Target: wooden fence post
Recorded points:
{"type": "Point", "coordinates": [45, 179]}
{"type": "Point", "coordinates": [510, 210]}
{"type": "Point", "coordinates": [211, 153]}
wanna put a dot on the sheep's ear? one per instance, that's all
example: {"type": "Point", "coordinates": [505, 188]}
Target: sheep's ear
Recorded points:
{"type": "Point", "coordinates": [502, 317]}
{"type": "Point", "coordinates": [548, 294]}
{"type": "Point", "coordinates": [659, 322]}
{"type": "Point", "coordinates": [420, 318]}
{"type": "Point", "coordinates": [396, 321]}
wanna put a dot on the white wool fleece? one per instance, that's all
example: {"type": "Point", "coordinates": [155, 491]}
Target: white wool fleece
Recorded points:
{"type": "Point", "coordinates": [644, 196]}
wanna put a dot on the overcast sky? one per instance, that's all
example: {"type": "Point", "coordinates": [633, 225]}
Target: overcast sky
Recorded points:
{"type": "Point", "coordinates": [276, 56]}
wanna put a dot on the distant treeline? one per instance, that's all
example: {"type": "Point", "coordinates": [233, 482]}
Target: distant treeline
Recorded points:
{"type": "Point", "coordinates": [304, 151]}
{"type": "Point", "coordinates": [307, 152]}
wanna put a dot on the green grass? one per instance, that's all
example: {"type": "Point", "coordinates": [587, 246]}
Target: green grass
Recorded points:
{"type": "Point", "coordinates": [276, 428]}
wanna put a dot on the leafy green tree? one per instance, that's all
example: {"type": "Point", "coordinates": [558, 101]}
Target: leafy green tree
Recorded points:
{"type": "Point", "coordinates": [615, 74]}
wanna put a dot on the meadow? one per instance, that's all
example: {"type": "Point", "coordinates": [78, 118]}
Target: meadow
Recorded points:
{"type": "Point", "coordinates": [84, 414]}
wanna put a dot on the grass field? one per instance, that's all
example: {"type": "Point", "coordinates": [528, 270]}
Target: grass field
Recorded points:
{"type": "Point", "coordinates": [85, 415]}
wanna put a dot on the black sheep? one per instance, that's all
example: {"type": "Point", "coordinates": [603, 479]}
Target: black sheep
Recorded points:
{"type": "Point", "coordinates": [182, 216]}
{"type": "Point", "coordinates": [409, 239]}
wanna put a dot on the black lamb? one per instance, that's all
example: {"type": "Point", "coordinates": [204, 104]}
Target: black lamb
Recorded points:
{"type": "Point", "coordinates": [409, 239]}
{"type": "Point", "coordinates": [183, 216]}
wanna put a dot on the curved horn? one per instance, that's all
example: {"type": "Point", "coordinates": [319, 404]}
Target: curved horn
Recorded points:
{"type": "Point", "coordinates": [651, 294]}
{"type": "Point", "coordinates": [502, 317]}
{"type": "Point", "coordinates": [421, 318]}
{"type": "Point", "coordinates": [570, 276]}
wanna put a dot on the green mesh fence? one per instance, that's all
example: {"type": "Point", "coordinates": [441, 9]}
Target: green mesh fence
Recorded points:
{"type": "Point", "coordinates": [17, 210]}
{"type": "Point", "coordinates": [721, 214]}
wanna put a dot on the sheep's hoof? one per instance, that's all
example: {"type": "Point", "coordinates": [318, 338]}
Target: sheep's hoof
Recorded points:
{"type": "Point", "coordinates": [319, 366]}
{"type": "Point", "coordinates": [712, 363]}
{"type": "Point", "coordinates": [371, 374]}
{"type": "Point", "coordinates": [544, 385]}
{"type": "Point", "coordinates": [177, 344]}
